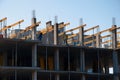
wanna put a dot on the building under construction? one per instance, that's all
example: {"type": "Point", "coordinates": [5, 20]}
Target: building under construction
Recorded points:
{"type": "Point", "coordinates": [77, 57]}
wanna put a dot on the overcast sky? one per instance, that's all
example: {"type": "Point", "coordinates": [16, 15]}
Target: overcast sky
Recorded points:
{"type": "Point", "coordinates": [93, 12]}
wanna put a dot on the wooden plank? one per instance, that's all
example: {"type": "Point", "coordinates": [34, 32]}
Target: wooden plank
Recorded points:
{"type": "Point", "coordinates": [50, 28]}
{"type": "Point", "coordinates": [110, 29]}
{"type": "Point", "coordinates": [91, 28]}
{"type": "Point", "coordinates": [107, 41]}
{"type": "Point", "coordinates": [71, 36]}
{"type": "Point", "coordinates": [61, 26]}
{"type": "Point", "coordinates": [30, 27]}
{"type": "Point", "coordinates": [3, 19]}
{"type": "Point", "coordinates": [106, 36]}
{"type": "Point", "coordinates": [26, 29]}
{"type": "Point", "coordinates": [89, 36]}
{"type": "Point", "coordinates": [118, 32]}
{"type": "Point", "coordinates": [72, 41]}
{"type": "Point", "coordinates": [85, 31]}
{"type": "Point", "coordinates": [12, 35]}
{"type": "Point", "coordinates": [118, 45]}
{"type": "Point", "coordinates": [90, 41]}
{"type": "Point", "coordinates": [118, 38]}
{"type": "Point", "coordinates": [6, 27]}
{"type": "Point", "coordinates": [94, 34]}
{"type": "Point", "coordinates": [72, 29]}
{"type": "Point", "coordinates": [100, 32]}
{"type": "Point", "coordinates": [26, 37]}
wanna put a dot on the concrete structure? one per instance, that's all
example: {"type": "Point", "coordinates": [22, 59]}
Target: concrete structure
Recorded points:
{"type": "Point", "coordinates": [51, 59]}
{"type": "Point", "coordinates": [29, 60]}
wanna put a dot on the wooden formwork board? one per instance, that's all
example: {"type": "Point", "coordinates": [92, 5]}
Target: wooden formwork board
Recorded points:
{"type": "Point", "coordinates": [26, 29]}
{"type": "Point", "coordinates": [105, 36]}
{"type": "Point", "coordinates": [90, 41]}
{"type": "Point", "coordinates": [6, 27]}
{"type": "Point", "coordinates": [107, 41]}
{"type": "Point", "coordinates": [72, 29]}
{"type": "Point", "coordinates": [50, 28]}
{"type": "Point", "coordinates": [91, 28]}
{"type": "Point", "coordinates": [3, 19]}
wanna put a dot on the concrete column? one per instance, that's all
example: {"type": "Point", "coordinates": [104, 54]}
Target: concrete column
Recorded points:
{"type": "Point", "coordinates": [115, 65]}
{"type": "Point", "coordinates": [83, 77]}
{"type": "Point", "coordinates": [57, 59]}
{"type": "Point", "coordinates": [114, 37]}
{"type": "Point", "coordinates": [57, 63]}
{"type": "Point", "coordinates": [98, 40]}
{"type": "Point", "coordinates": [48, 38]}
{"type": "Point", "coordinates": [34, 61]}
{"type": "Point", "coordinates": [34, 75]}
{"type": "Point", "coordinates": [81, 34]}
{"type": "Point", "coordinates": [57, 50]}
{"type": "Point", "coordinates": [55, 32]}
{"type": "Point", "coordinates": [5, 32]}
{"type": "Point", "coordinates": [57, 77]}
{"type": "Point", "coordinates": [68, 59]}
{"type": "Point", "coordinates": [82, 63]}
{"type": "Point", "coordinates": [5, 59]}
{"type": "Point", "coordinates": [34, 29]}
{"type": "Point", "coordinates": [13, 60]}
{"type": "Point", "coordinates": [34, 55]}
{"type": "Point", "coordinates": [77, 63]}
{"type": "Point", "coordinates": [60, 39]}
{"type": "Point", "coordinates": [46, 59]}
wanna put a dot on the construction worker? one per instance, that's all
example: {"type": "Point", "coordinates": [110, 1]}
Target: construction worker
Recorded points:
{"type": "Point", "coordinates": [40, 36]}
{"type": "Point", "coordinates": [65, 37]}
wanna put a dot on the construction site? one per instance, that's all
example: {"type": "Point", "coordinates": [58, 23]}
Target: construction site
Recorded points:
{"type": "Point", "coordinates": [59, 54]}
